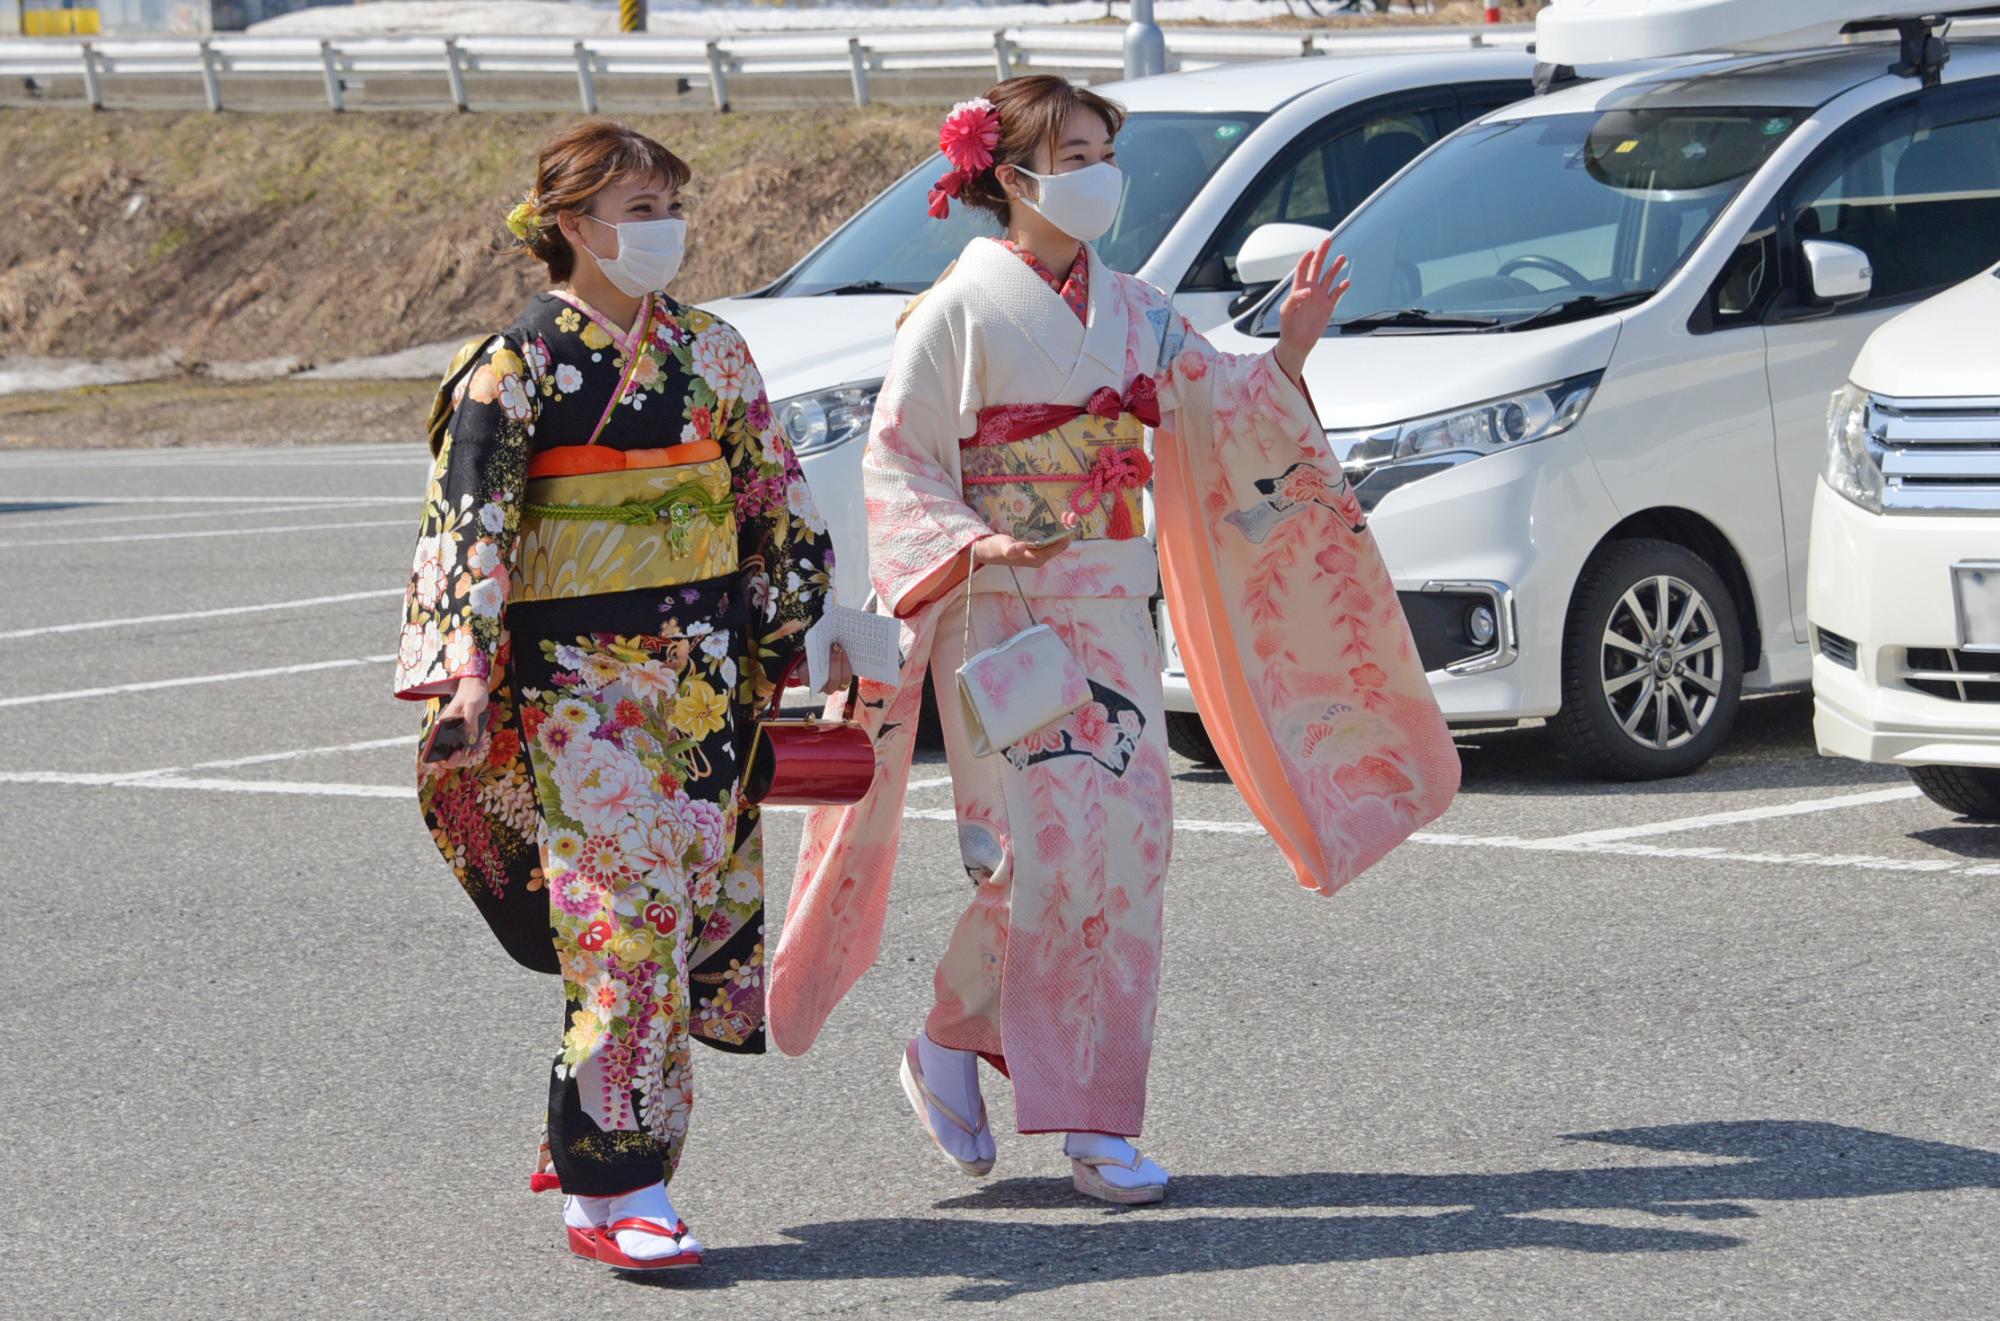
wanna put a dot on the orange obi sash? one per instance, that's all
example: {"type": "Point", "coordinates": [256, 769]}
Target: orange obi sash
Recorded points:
{"type": "Point", "coordinates": [1035, 471]}
{"type": "Point", "coordinates": [585, 460]}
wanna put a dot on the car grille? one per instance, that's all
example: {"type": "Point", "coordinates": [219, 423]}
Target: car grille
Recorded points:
{"type": "Point", "coordinates": [1940, 455]}
{"type": "Point", "coordinates": [1836, 648]}
{"type": "Point", "coordinates": [1956, 676]}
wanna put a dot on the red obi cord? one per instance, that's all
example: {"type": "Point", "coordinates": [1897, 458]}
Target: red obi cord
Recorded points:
{"type": "Point", "coordinates": [1114, 472]}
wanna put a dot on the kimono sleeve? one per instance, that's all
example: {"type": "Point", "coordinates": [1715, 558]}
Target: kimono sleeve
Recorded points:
{"type": "Point", "coordinates": [918, 521]}
{"type": "Point", "coordinates": [783, 546]}
{"type": "Point", "coordinates": [1288, 619]}
{"type": "Point", "coordinates": [453, 609]}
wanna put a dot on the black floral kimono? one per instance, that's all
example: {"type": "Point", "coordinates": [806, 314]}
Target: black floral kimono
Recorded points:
{"type": "Point", "coordinates": [617, 536]}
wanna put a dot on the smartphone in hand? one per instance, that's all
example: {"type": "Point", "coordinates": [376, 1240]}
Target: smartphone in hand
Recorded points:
{"type": "Point", "coordinates": [449, 737]}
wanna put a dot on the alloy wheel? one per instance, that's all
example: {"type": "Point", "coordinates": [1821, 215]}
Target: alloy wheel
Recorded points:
{"type": "Point", "coordinates": [1662, 662]}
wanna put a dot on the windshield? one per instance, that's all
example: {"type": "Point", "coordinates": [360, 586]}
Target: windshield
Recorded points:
{"type": "Point", "coordinates": [1530, 219]}
{"type": "Point", "coordinates": [893, 243]}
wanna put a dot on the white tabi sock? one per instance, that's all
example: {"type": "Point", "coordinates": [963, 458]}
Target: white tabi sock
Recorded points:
{"type": "Point", "coordinates": [1148, 1175]}
{"type": "Point", "coordinates": [953, 1077]}
{"type": "Point", "coordinates": [651, 1203]}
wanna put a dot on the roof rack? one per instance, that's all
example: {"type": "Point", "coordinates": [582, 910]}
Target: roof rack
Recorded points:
{"type": "Point", "coordinates": [1924, 52]}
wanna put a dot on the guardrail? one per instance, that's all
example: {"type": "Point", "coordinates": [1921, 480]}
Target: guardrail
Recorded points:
{"type": "Point", "coordinates": [709, 63]}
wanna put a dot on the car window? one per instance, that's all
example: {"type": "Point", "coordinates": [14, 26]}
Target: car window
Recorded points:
{"type": "Point", "coordinates": [894, 245]}
{"type": "Point", "coordinates": [1318, 180]}
{"type": "Point", "coordinates": [1476, 99]}
{"type": "Point", "coordinates": [1916, 187]}
{"type": "Point", "coordinates": [1514, 221]}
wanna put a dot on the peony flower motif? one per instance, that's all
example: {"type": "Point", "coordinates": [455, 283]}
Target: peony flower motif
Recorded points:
{"type": "Point", "coordinates": [969, 134]}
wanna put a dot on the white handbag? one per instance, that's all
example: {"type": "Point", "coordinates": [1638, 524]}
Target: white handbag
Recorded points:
{"type": "Point", "coordinates": [1009, 691]}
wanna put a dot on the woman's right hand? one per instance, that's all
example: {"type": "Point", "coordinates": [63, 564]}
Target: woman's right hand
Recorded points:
{"type": "Point", "coordinates": [468, 702]}
{"type": "Point", "coordinates": [1003, 549]}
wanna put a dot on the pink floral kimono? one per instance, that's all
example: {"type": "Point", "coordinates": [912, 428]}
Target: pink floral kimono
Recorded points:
{"type": "Point", "coordinates": [1009, 410]}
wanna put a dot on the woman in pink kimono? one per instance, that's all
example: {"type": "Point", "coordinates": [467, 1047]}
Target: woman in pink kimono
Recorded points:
{"type": "Point", "coordinates": [1010, 441]}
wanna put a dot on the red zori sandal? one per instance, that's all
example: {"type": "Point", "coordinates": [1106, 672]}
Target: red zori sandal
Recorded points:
{"type": "Point", "coordinates": [612, 1255]}
{"type": "Point", "coordinates": [545, 1179]}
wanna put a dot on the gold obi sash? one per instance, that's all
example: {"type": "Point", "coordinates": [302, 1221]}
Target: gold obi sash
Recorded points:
{"type": "Point", "coordinates": [621, 531]}
{"type": "Point", "coordinates": [1087, 475]}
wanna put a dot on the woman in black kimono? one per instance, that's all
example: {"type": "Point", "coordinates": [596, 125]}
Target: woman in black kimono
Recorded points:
{"type": "Point", "coordinates": [618, 560]}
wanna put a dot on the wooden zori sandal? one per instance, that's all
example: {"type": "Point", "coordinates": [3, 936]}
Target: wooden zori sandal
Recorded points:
{"type": "Point", "coordinates": [923, 1101]}
{"type": "Point", "coordinates": [1090, 1183]}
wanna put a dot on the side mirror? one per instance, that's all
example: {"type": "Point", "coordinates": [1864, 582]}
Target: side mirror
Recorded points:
{"type": "Point", "coordinates": [1271, 251]}
{"type": "Point", "coordinates": [1837, 273]}
{"type": "Point", "coordinates": [1249, 298]}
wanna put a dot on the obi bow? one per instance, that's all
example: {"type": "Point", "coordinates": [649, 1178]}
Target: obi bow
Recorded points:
{"type": "Point", "coordinates": [1115, 472]}
{"type": "Point", "coordinates": [1142, 401]}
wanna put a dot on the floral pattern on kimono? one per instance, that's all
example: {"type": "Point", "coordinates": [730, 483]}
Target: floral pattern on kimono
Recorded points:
{"type": "Point", "coordinates": [619, 856]}
{"type": "Point", "coordinates": [1302, 664]}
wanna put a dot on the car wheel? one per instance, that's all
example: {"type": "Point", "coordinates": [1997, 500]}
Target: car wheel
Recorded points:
{"type": "Point", "coordinates": [1186, 736]}
{"type": "Point", "coordinates": [1972, 791]}
{"type": "Point", "coordinates": [1652, 663]}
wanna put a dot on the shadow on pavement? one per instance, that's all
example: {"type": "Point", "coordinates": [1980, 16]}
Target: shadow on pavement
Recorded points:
{"type": "Point", "coordinates": [1968, 841]}
{"type": "Point", "coordinates": [1767, 1161]}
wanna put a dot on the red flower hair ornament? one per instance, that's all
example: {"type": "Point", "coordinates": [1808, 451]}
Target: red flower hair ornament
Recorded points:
{"type": "Point", "coordinates": [967, 138]}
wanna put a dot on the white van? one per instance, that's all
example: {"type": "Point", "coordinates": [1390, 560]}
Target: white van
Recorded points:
{"type": "Point", "coordinates": [1581, 377]}
{"type": "Point", "coordinates": [1231, 174]}
{"type": "Point", "coordinates": [1904, 589]}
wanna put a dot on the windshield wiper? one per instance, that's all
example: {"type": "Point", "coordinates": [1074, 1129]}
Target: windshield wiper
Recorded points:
{"type": "Point", "coordinates": [1575, 309]}
{"type": "Point", "coordinates": [1413, 317]}
{"type": "Point", "coordinates": [866, 287]}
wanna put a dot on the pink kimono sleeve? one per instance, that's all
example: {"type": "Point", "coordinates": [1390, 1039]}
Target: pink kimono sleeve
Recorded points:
{"type": "Point", "coordinates": [918, 521]}
{"type": "Point", "coordinates": [1296, 647]}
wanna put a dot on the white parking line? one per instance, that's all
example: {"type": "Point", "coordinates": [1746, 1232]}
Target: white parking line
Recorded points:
{"type": "Point", "coordinates": [1711, 819]}
{"type": "Point", "coordinates": [187, 499]}
{"type": "Point", "coordinates": [227, 511]}
{"type": "Point", "coordinates": [150, 685]}
{"type": "Point", "coordinates": [1825, 861]}
{"type": "Point", "coordinates": [269, 606]}
{"type": "Point", "coordinates": [213, 532]}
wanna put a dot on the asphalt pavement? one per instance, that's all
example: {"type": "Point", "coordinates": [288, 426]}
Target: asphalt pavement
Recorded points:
{"type": "Point", "coordinates": [1720, 1046]}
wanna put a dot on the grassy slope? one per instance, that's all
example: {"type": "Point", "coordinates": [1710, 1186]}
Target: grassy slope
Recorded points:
{"type": "Point", "coordinates": [332, 237]}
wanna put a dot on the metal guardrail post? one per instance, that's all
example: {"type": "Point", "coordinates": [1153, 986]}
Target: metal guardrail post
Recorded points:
{"type": "Point", "coordinates": [1003, 57]}
{"type": "Point", "coordinates": [93, 84]}
{"type": "Point", "coordinates": [718, 78]}
{"type": "Point", "coordinates": [211, 84]}
{"type": "Point", "coordinates": [586, 86]}
{"type": "Point", "coordinates": [331, 68]}
{"type": "Point", "coordinates": [454, 71]}
{"type": "Point", "coordinates": [857, 60]}
{"type": "Point", "coordinates": [1145, 44]}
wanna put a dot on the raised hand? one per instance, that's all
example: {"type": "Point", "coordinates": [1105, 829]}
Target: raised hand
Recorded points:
{"type": "Point", "coordinates": [1308, 309]}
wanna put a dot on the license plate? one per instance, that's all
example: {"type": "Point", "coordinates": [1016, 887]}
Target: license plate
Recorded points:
{"type": "Point", "coordinates": [1977, 587]}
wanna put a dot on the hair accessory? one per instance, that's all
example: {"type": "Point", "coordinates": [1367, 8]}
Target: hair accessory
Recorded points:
{"type": "Point", "coordinates": [967, 138]}
{"type": "Point", "coordinates": [525, 222]}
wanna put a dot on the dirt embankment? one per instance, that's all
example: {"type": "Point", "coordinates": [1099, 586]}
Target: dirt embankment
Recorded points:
{"type": "Point", "coordinates": [241, 238]}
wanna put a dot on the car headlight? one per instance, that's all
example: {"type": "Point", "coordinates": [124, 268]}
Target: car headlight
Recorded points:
{"type": "Point", "coordinates": [1468, 433]}
{"type": "Point", "coordinates": [1854, 447]}
{"type": "Point", "coordinates": [828, 418]}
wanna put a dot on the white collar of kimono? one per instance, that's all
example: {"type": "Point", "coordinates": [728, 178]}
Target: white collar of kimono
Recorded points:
{"type": "Point", "coordinates": [1044, 318]}
{"type": "Point", "coordinates": [621, 338]}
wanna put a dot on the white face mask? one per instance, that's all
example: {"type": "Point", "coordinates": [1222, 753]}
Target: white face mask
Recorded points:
{"type": "Point", "coordinates": [649, 255]}
{"type": "Point", "coordinates": [1082, 203]}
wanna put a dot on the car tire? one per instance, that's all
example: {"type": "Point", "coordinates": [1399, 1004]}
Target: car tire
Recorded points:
{"type": "Point", "coordinates": [1186, 736]}
{"type": "Point", "coordinates": [1970, 791]}
{"type": "Point", "coordinates": [1648, 693]}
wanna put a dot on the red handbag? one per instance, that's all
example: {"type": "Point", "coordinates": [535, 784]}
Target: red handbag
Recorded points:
{"type": "Point", "coordinates": [809, 762]}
